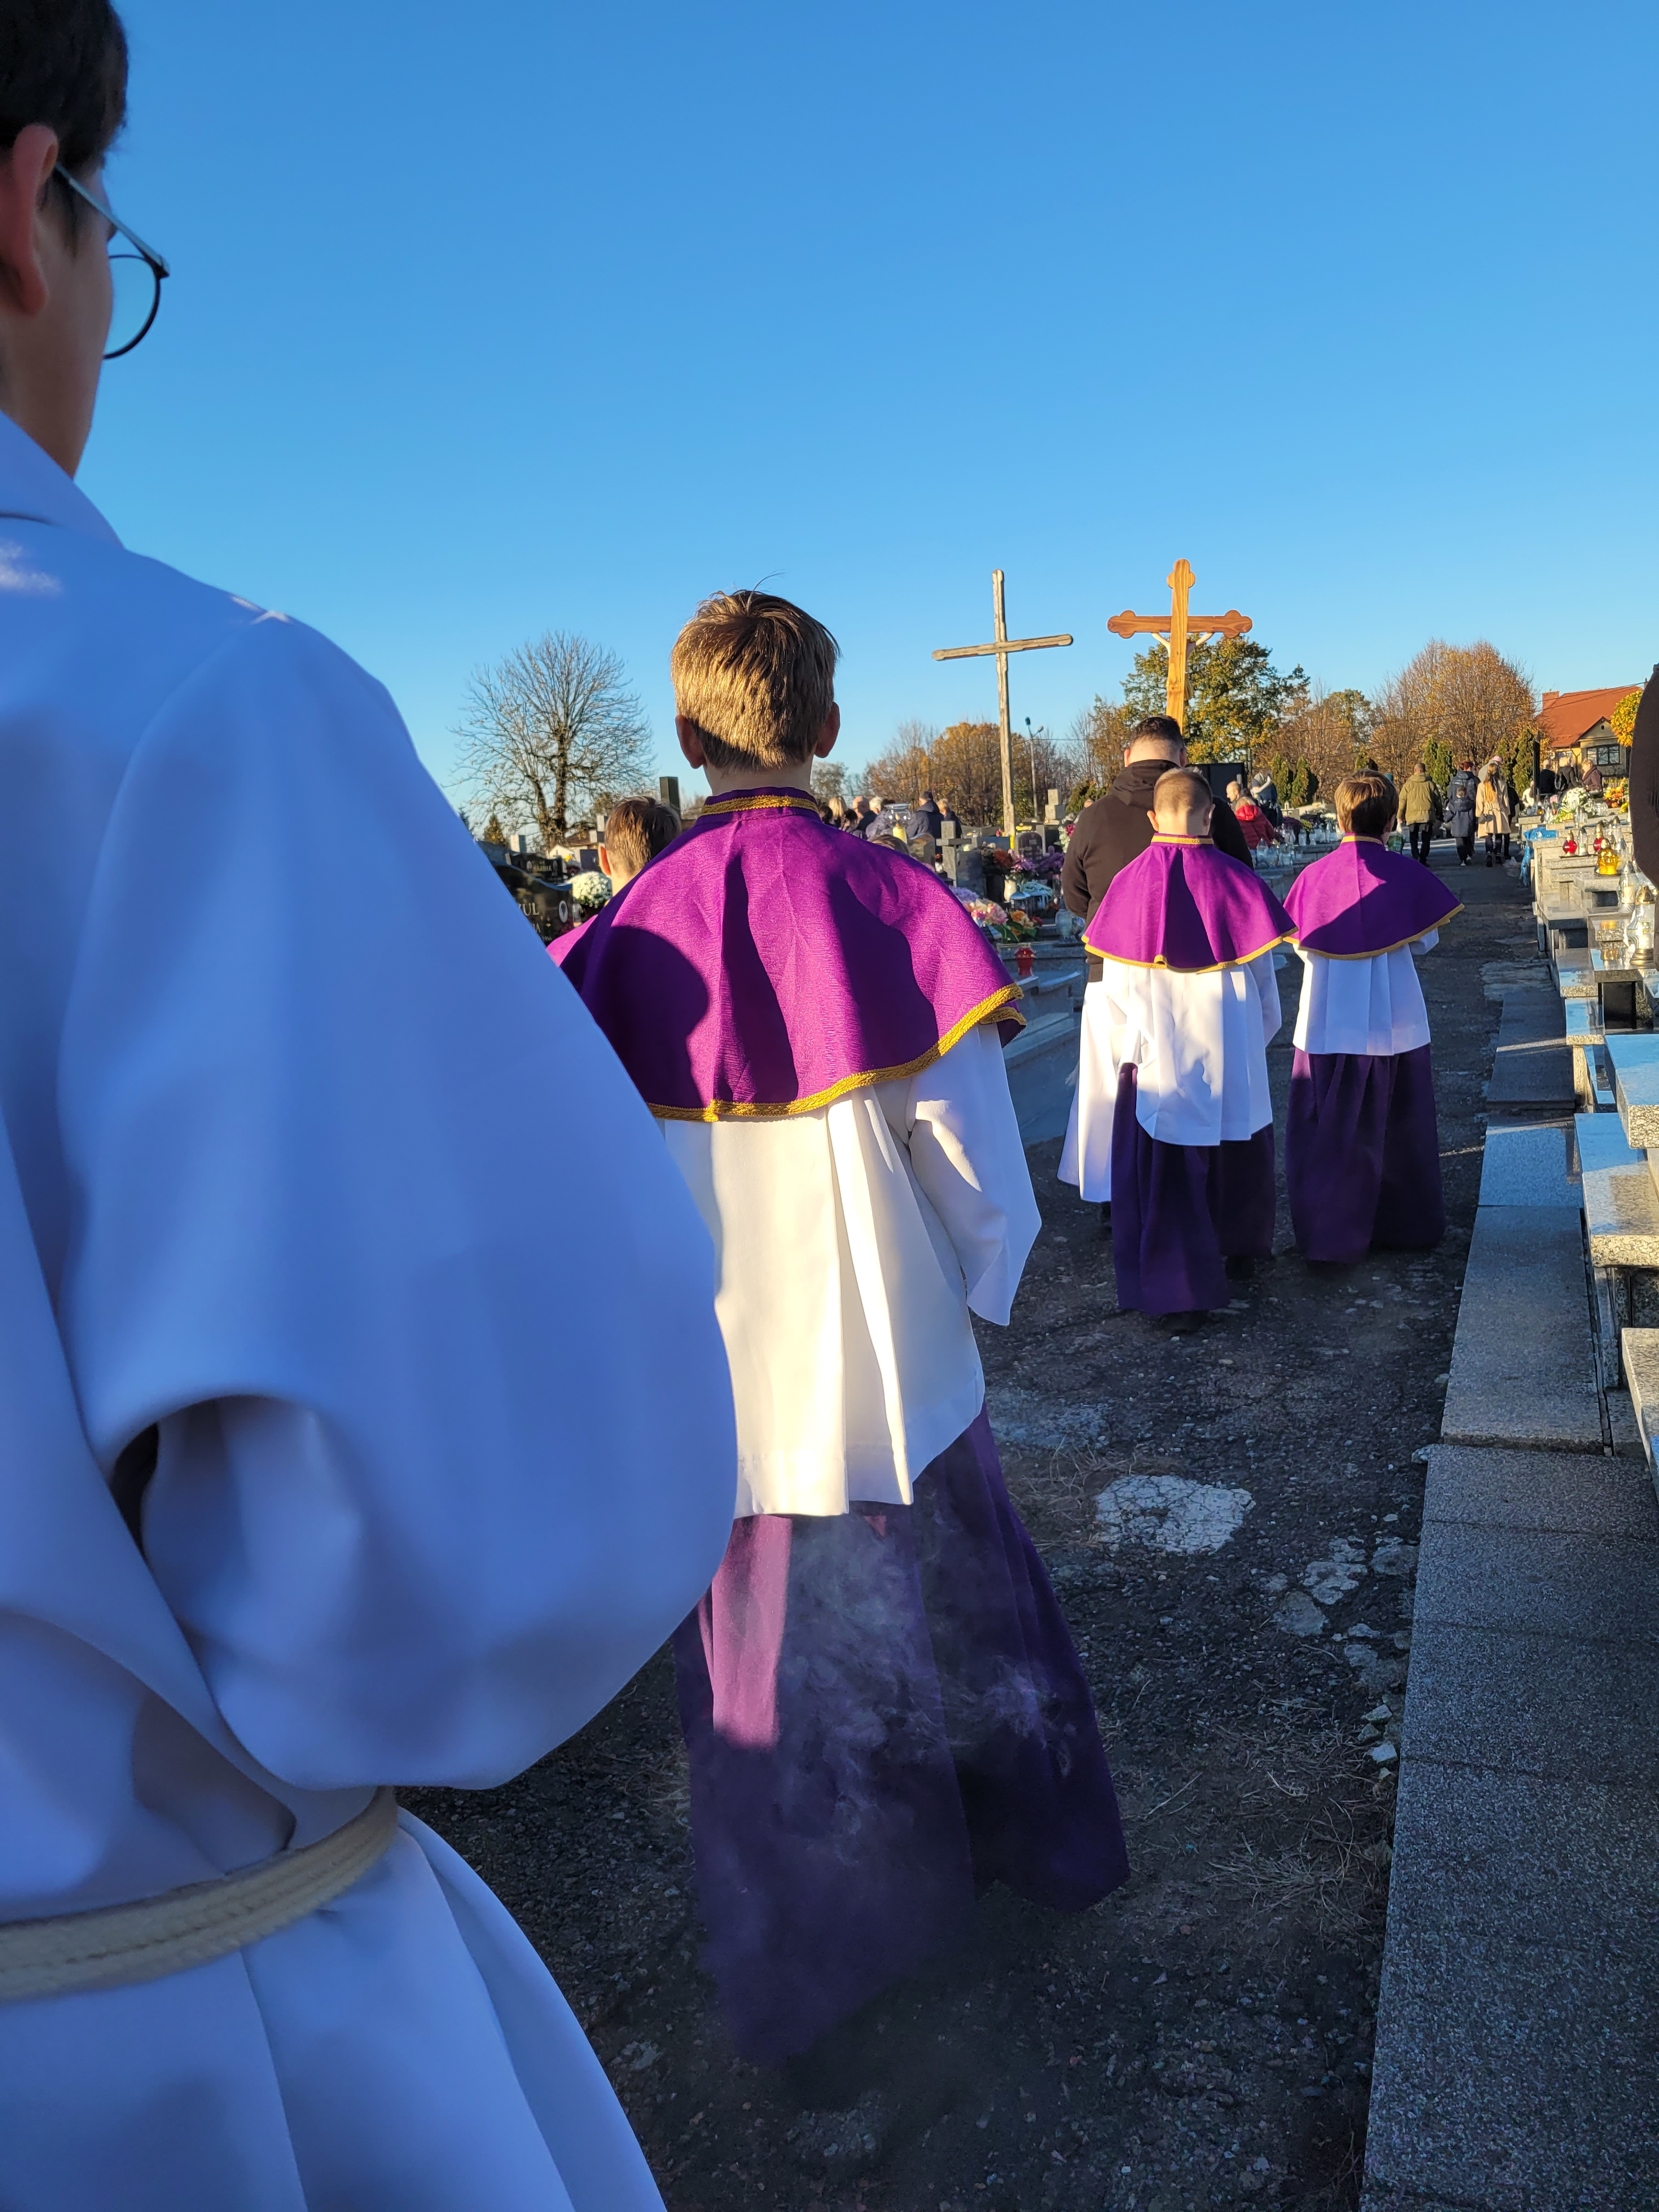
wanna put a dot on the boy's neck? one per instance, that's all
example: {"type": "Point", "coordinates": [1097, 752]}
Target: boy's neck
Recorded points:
{"type": "Point", "coordinates": [793, 775]}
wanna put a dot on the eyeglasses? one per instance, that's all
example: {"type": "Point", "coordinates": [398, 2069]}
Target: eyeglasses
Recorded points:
{"type": "Point", "coordinates": [135, 279]}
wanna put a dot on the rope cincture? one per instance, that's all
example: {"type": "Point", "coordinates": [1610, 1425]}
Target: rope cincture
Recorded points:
{"type": "Point", "coordinates": [115, 1945]}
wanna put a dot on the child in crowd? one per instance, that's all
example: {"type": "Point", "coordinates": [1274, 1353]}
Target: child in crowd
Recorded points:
{"type": "Point", "coordinates": [1251, 818]}
{"type": "Point", "coordinates": [1176, 1034]}
{"type": "Point", "coordinates": [1362, 1146]}
{"type": "Point", "coordinates": [636, 831]}
{"type": "Point", "coordinates": [884, 1707]}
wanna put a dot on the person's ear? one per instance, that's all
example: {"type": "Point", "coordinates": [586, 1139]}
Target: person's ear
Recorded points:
{"type": "Point", "coordinates": [690, 738]}
{"type": "Point", "coordinates": [1151, 817]}
{"type": "Point", "coordinates": [24, 170]}
{"type": "Point", "coordinates": [605, 860]}
{"type": "Point", "coordinates": [827, 734]}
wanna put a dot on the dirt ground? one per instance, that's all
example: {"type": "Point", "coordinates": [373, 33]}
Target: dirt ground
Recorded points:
{"type": "Point", "coordinates": [1203, 2038]}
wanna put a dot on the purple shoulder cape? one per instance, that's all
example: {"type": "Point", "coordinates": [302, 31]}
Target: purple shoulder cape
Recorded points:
{"type": "Point", "coordinates": [1363, 899]}
{"type": "Point", "coordinates": [1181, 904]}
{"type": "Point", "coordinates": [766, 964]}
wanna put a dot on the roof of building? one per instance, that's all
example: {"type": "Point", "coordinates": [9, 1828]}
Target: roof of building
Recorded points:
{"type": "Point", "coordinates": [1566, 716]}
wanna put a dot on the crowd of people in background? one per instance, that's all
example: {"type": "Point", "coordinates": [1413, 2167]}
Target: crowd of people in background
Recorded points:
{"type": "Point", "coordinates": [865, 817]}
{"type": "Point", "coordinates": [1477, 804]}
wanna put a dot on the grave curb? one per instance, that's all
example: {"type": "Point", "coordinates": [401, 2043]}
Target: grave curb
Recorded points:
{"type": "Point", "coordinates": [1519, 2010]}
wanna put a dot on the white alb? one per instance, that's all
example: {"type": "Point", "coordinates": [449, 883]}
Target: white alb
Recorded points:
{"type": "Point", "coordinates": [1198, 1043]}
{"type": "Point", "coordinates": [852, 1244]}
{"type": "Point", "coordinates": [297, 1120]}
{"type": "Point", "coordinates": [1372, 1006]}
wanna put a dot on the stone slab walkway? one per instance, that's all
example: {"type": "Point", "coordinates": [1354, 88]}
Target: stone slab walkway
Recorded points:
{"type": "Point", "coordinates": [1533, 1064]}
{"type": "Point", "coordinates": [1521, 1371]}
{"type": "Point", "coordinates": [1519, 2027]}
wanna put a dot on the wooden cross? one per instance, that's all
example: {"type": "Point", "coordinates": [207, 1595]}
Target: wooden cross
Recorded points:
{"type": "Point", "coordinates": [1172, 630]}
{"type": "Point", "coordinates": [1002, 645]}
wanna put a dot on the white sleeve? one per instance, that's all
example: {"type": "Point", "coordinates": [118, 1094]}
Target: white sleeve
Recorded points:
{"type": "Point", "coordinates": [1426, 942]}
{"type": "Point", "coordinates": [369, 1223]}
{"type": "Point", "coordinates": [1267, 984]}
{"type": "Point", "coordinates": [958, 1121]}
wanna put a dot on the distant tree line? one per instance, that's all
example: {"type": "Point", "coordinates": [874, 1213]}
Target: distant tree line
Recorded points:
{"type": "Point", "coordinates": [553, 735]}
{"type": "Point", "coordinates": [1447, 704]}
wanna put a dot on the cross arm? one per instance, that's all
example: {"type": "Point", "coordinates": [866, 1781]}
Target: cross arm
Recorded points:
{"type": "Point", "coordinates": [1231, 624]}
{"type": "Point", "coordinates": [998, 645]}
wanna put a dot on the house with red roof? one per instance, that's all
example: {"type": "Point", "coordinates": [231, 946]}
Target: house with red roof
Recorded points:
{"type": "Point", "coordinates": [1578, 726]}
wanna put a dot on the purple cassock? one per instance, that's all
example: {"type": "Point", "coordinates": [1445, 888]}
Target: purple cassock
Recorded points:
{"type": "Point", "coordinates": [883, 1708]}
{"type": "Point", "coordinates": [1362, 1144]}
{"type": "Point", "coordinates": [1178, 930]}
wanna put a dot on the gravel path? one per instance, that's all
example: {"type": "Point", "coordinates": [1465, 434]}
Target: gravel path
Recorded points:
{"type": "Point", "coordinates": [1201, 2039]}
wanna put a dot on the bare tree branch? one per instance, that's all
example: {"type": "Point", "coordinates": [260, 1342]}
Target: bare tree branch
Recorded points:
{"type": "Point", "coordinates": [551, 734]}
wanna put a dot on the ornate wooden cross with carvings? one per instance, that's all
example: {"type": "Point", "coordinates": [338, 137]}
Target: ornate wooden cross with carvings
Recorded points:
{"type": "Point", "coordinates": [1002, 645]}
{"type": "Point", "coordinates": [1172, 631]}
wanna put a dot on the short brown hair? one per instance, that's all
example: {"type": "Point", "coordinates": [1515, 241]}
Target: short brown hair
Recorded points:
{"type": "Point", "coordinates": [758, 676]}
{"type": "Point", "coordinates": [63, 62]}
{"type": "Point", "coordinates": [1180, 790]}
{"type": "Point", "coordinates": [637, 830]}
{"type": "Point", "coordinates": [1365, 805]}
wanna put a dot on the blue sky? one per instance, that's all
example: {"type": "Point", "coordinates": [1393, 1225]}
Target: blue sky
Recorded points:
{"type": "Point", "coordinates": [521, 316]}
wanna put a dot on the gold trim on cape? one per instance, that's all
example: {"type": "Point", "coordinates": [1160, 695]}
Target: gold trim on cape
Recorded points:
{"type": "Point", "coordinates": [738, 804]}
{"type": "Point", "coordinates": [1174, 837]}
{"type": "Point", "coordinates": [1313, 951]}
{"type": "Point", "coordinates": [1215, 966]}
{"type": "Point", "coordinates": [1000, 1005]}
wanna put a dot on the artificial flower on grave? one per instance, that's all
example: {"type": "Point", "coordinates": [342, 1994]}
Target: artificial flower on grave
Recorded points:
{"type": "Point", "coordinates": [1043, 867]}
{"type": "Point", "coordinates": [986, 912]}
{"type": "Point", "coordinates": [590, 890]}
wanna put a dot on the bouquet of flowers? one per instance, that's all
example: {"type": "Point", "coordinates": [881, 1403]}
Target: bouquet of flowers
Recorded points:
{"type": "Point", "coordinates": [590, 890]}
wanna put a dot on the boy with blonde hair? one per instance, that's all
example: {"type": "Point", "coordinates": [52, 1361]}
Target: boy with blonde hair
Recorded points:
{"type": "Point", "coordinates": [1176, 1033]}
{"type": "Point", "coordinates": [636, 831]}
{"type": "Point", "coordinates": [884, 1707]}
{"type": "Point", "coordinates": [1362, 1142]}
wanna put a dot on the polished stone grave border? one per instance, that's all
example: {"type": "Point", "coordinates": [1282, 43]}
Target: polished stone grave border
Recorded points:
{"type": "Point", "coordinates": [1517, 2053]}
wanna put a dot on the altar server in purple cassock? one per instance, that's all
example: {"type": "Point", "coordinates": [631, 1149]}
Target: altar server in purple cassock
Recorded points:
{"type": "Point", "coordinates": [283, 1520]}
{"type": "Point", "coordinates": [1176, 1033]}
{"type": "Point", "coordinates": [884, 1709]}
{"type": "Point", "coordinates": [1362, 1144]}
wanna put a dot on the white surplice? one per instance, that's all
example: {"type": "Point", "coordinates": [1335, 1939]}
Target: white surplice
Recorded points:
{"type": "Point", "coordinates": [1373, 1005]}
{"type": "Point", "coordinates": [1198, 1043]}
{"type": "Point", "coordinates": [852, 1243]}
{"type": "Point", "coordinates": [309, 1156]}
